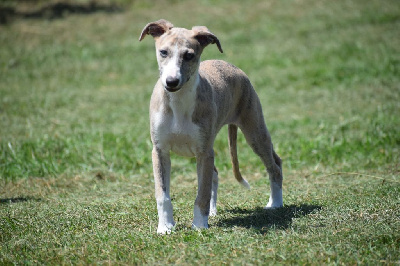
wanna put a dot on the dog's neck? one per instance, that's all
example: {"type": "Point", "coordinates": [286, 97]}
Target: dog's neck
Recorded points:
{"type": "Point", "coordinates": [183, 101]}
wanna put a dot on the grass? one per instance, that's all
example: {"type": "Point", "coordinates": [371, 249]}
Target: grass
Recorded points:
{"type": "Point", "coordinates": [75, 166]}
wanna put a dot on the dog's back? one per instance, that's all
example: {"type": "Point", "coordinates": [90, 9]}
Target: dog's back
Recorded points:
{"type": "Point", "coordinates": [233, 91]}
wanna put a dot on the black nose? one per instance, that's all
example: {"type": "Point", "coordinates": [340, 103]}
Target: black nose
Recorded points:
{"type": "Point", "coordinates": [172, 82]}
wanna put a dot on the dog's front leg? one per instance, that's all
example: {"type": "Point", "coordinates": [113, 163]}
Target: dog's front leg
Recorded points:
{"type": "Point", "coordinates": [162, 169]}
{"type": "Point", "coordinates": [205, 171]}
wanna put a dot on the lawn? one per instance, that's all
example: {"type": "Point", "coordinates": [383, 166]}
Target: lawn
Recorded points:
{"type": "Point", "coordinates": [76, 182]}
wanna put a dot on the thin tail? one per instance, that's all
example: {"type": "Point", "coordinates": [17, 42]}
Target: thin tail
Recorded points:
{"type": "Point", "coordinates": [232, 132]}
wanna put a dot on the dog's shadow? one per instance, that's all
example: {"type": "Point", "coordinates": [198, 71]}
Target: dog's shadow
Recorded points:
{"type": "Point", "coordinates": [263, 220]}
{"type": "Point", "coordinates": [18, 200]}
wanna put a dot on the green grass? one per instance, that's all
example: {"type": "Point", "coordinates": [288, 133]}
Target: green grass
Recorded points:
{"type": "Point", "coordinates": [75, 153]}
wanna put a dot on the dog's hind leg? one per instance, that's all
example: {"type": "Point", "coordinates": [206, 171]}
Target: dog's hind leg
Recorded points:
{"type": "Point", "coordinates": [258, 137]}
{"type": "Point", "coordinates": [214, 190]}
{"type": "Point", "coordinates": [275, 199]}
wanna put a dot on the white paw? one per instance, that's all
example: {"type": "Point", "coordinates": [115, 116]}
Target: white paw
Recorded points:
{"type": "Point", "coordinates": [271, 206]}
{"type": "Point", "coordinates": [165, 216]}
{"type": "Point", "coordinates": [199, 221]}
{"type": "Point", "coordinates": [199, 226]}
{"type": "Point", "coordinates": [275, 199]}
{"type": "Point", "coordinates": [164, 229]}
{"type": "Point", "coordinates": [274, 203]}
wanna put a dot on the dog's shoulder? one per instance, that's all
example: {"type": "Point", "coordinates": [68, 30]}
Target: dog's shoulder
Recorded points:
{"type": "Point", "coordinates": [219, 65]}
{"type": "Point", "coordinates": [219, 71]}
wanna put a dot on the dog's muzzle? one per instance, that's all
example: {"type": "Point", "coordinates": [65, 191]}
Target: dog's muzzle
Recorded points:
{"type": "Point", "coordinates": [172, 84]}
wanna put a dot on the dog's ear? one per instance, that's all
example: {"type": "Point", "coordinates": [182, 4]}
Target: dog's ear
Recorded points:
{"type": "Point", "coordinates": [156, 28]}
{"type": "Point", "coordinates": [205, 37]}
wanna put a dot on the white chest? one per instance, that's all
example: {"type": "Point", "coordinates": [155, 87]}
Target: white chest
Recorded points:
{"type": "Point", "coordinates": [177, 133]}
{"type": "Point", "coordinates": [175, 130]}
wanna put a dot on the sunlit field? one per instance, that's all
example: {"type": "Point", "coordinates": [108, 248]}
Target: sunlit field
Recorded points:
{"type": "Point", "coordinates": [76, 182]}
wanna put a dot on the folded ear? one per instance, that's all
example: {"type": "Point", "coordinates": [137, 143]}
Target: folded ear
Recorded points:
{"type": "Point", "coordinates": [205, 37]}
{"type": "Point", "coordinates": [156, 28]}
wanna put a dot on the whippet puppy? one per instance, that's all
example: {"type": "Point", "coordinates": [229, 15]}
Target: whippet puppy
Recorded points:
{"type": "Point", "coordinates": [190, 103]}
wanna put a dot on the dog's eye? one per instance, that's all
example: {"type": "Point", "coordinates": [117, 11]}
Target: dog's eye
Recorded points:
{"type": "Point", "coordinates": [164, 53]}
{"type": "Point", "coordinates": [188, 56]}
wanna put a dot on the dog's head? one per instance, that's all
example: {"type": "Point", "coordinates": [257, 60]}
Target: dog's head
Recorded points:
{"type": "Point", "coordinates": [178, 51]}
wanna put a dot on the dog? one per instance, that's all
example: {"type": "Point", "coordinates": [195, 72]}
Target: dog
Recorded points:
{"type": "Point", "coordinates": [190, 103]}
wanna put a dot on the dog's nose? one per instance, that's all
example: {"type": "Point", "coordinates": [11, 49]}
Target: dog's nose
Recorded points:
{"type": "Point", "coordinates": [172, 82]}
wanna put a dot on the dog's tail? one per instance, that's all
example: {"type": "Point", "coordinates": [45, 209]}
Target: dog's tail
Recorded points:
{"type": "Point", "coordinates": [232, 132]}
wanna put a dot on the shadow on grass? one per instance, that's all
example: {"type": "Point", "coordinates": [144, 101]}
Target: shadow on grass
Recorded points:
{"type": "Point", "coordinates": [57, 10]}
{"type": "Point", "coordinates": [263, 220]}
{"type": "Point", "coordinates": [17, 200]}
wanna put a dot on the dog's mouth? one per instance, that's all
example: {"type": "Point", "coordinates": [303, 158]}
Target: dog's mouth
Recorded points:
{"type": "Point", "coordinates": [172, 89]}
